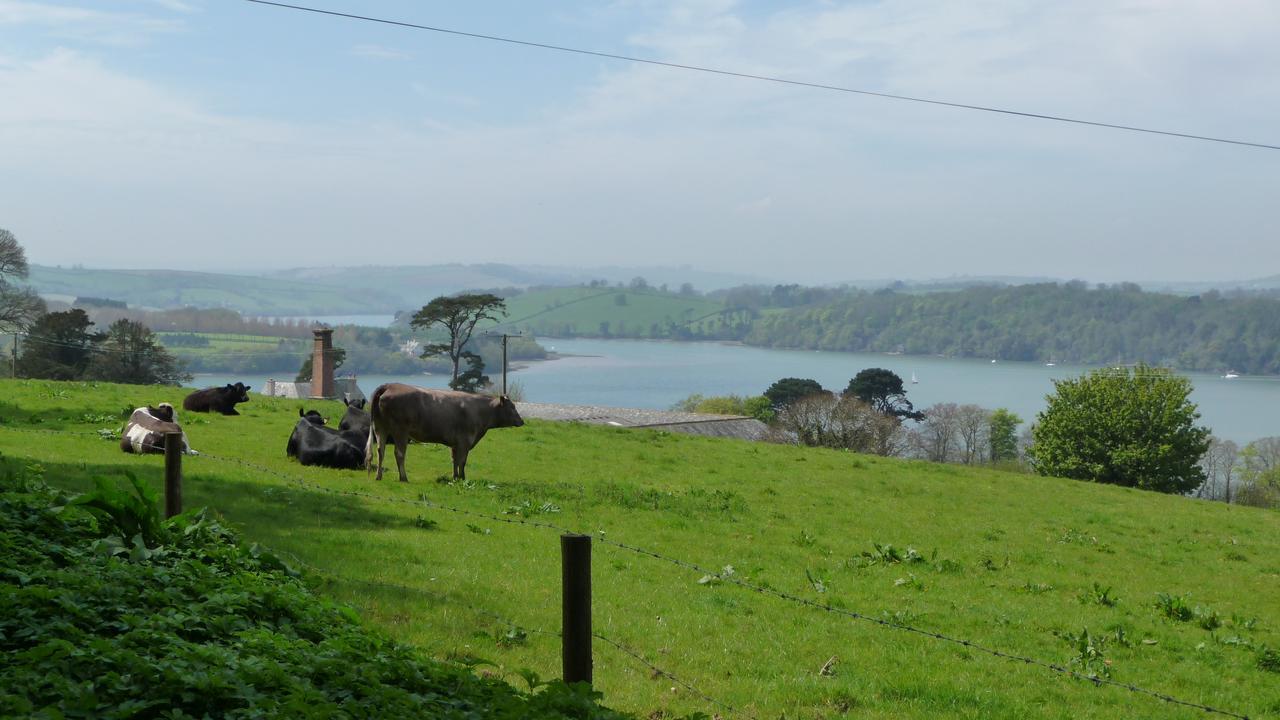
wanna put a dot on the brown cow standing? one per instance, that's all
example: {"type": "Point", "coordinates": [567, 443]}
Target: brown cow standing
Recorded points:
{"type": "Point", "coordinates": [144, 432]}
{"type": "Point", "coordinates": [401, 413]}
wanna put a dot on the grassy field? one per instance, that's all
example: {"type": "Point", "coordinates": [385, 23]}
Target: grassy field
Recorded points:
{"type": "Point", "coordinates": [1056, 570]}
{"type": "Point", "coordinates": [176, 288]}
{"type": "Point", "coordinates": [581, 310]}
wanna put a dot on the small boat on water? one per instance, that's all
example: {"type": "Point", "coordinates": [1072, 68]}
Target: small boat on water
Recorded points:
{"type": "Point", "coordinates": [914, 381]}
{"type": "Point", "coordinates": [1231, 375]}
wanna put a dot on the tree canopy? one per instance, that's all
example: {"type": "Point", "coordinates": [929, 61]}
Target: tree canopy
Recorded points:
{"type": "Point", "coordinates": [59, 346]}
{"type": "Point", "coordinates": [19, 306]}
{"type": "Point", "coordinates": [458, 315]}
{"type": "Point", "coordinates": [130, 354]}
{"type": "Point", "coordinates": [882, 389]}
{"type": "Point", "coordinates": [1123, 426]}
{"type": "Point", "coordinates": [788, 390]}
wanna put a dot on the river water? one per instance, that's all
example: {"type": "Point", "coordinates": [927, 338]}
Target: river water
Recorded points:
{"type": "Point", "coordinates": [657, 374]}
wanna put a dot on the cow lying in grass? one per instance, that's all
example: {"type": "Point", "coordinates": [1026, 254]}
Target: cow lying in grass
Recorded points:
{"type": "Point", "coordinates": [217, 399]}
{"type": "Point", "coordinates": [401, 413]}
{"type": "Point", "coordinates": [314, 444]}
{"type": "Point", "coordinates": [144, 432]}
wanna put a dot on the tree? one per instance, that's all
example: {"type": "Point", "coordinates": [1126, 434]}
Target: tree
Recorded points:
{"type": "Point", "coordinates": [938, 435]}
{"type": "Point", "coordinates": [458, 315]}
{"type": "Point", "coordinates": [305, 372]}
{"type": "Point", "coordinates": [788, 390]}
{"type": "Point", "coordinates": [882, 389]}
{"type": "Point", "coordinates": [823, 420]}
{"type": "Point", "coordinates": [19, 306]}
{"type": "Point", "coordinates": [59, 346]}
{"type": "Point", "coordinates": [1123, 426]}
{"type": "Point", "coordinates": [1220, 465]}
{"type": "Point", "coordinates": [130, 354]}
{"type": "Point", "coordinates": [1002, 433]}
{"type": "Point", "coordinates": [473, 379]}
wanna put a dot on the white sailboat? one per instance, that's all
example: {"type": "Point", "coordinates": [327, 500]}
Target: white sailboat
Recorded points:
{"type": "Point", "coordinates": [1231, 375]}
{"type": "Point", "coordinates": [914, 381]}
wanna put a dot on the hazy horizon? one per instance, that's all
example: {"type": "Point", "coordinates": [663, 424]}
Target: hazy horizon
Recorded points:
{"type": "Point", "coordinates": [234, 137]}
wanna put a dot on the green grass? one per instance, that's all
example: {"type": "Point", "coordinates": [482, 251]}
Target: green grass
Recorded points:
{"type": "Point", "coordinates": [1018, 563]}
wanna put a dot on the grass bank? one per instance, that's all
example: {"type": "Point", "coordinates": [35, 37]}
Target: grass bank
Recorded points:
{"type": "Point", "coordinates": [1166, 593]}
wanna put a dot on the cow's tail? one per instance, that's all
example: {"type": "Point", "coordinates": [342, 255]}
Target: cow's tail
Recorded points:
{"type": "Point", "coordinates": [373, 428]}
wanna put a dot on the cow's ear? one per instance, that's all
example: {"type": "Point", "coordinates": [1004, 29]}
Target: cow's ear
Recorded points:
{"type": "Point", "coordinates": [301, 414]}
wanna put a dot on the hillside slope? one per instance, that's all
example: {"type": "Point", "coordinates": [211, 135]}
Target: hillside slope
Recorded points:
{"type": "Point", "coordinates": [1170, 594]}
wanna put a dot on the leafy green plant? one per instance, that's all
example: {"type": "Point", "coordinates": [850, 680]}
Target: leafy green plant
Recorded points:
{"type": "Point", "coordinates": [425, 523]}
{"type": "Point", "coordinates": [129, 515]}
{"type": "Point", "coordinates": [1175, 607]}
{"type": "Point", "coordinates": [1269, 659]}
{"type": "Point", "coordinates": [1089, 653]}
{"type": "Point", "coordinates": [1098, 595]}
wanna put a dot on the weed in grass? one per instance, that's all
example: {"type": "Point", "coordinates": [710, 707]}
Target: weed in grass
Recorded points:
{"type": "Point", "coordinates": [1242, 622]}
{"type": "Point", "coordinates": [425, 523]}
{"type": "Point", "coordinates": [993, 534]}
{"type": "Point", "coordinates": [1089, 653]}
{"type": "Point", "coordinates": [717, 578]}
{"type": "Point", "coordinates": [805, 540]}
{"type": "Point", "coordinates": [98, 419]}
{"type": "Point", "coordinates": [1174, 607]}
{"type": "Point", "coordinates": [817, 581]}
{"type": "Point", "coordinates": [1036, 588]}
{"type": "Point", "coordinates": [910, 581]}
{"type": "Point", "coordinates": [1098, 595]}
{"type": "Point", "coordinates": [1208, 619]}
{"type": "Point", "coordinates": [1119, 634]}
{"type": "Point", "coordinates": [1236, 555]}
{"type": "Point", "coordinates": [1235, 641]}
{"type": "Point", "coordinates": [1269, 660]}
{"type": "Point", "coordinates": [529, 508]}
{"type": "Point", "coordinates": [477, 529]}
{"type": "Point", "coordinates": [511, 637]}
{"type": "Point", "coordinates": [990, 563]}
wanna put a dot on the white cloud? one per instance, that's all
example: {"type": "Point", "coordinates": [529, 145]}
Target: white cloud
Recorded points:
{"type": "Point", "coordinates": [70, 22]}
{"type": "Point", "coordinates": [691, 168]}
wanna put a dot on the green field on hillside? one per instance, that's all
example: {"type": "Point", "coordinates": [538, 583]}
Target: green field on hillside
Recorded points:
{"type": "Point", "coordinates": [1173, 595]}
{"type": "Point", "coordinates": [245, 294]}
{"type": "Point", "coordinates": [569, 311]}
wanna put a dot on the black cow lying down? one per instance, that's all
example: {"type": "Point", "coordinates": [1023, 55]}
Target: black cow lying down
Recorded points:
{"type": "Point", "coordinates": [145, 429]}
{"type": "Point", "coordinates": [217, 399]}
{"type": "Point", "coordinates": [315, 444]}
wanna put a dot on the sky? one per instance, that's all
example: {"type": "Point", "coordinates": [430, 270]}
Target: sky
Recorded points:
{"type": "Point", "coordinates": [227, 136]}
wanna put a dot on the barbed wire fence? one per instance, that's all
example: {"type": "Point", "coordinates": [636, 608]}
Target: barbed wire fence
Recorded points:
{"type": "Point", "coordinates": [762, 590]}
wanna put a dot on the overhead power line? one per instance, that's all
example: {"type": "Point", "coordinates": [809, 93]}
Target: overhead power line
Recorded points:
{"type": "Point", "coordinates": [769, 78]}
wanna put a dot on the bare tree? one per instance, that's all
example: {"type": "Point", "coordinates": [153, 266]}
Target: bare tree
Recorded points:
{"type": "Point", "coordinates": [844, 423]}
{"type": "Point", "coordinates": [19, 306]}
{"type": "Point", "coordinates": [937, 435]}
{"type": "Point", "coordinates": [1220, 463]}
{"type": "Point", "coordinates": [973, 424]}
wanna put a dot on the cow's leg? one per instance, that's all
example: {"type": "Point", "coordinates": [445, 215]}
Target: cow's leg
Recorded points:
{"type": "Point", "coordinates": [402, 445]}
{"type": "Point", "coordinates": [382, 448]}
{"type": "Point", "coordinates": [460, 462]}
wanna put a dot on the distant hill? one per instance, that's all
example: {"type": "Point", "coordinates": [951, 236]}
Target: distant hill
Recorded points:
{"type": "Point", "coordinates": [612, 312]}
{"type": "Point", "coordinates": [163, 289]}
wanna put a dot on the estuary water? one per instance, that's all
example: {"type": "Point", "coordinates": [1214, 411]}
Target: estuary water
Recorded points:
{"type": "Point", "coordinates": [657, 374]}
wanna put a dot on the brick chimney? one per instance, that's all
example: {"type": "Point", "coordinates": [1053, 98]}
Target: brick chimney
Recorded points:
{"type": "Point", "coordinates": [322, 364]}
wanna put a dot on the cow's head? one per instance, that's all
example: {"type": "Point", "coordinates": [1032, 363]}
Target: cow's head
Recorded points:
{"type": "Point", "coordinates": [505, 414]}
{"type": "Point", "coordinates": [357, 404]}
{"type": "Point", "coordinates": [237, 393]}
{"type": "Point", "coordinates": [163, 411]}
{"type": "Point", "coordinates": [312, 416]}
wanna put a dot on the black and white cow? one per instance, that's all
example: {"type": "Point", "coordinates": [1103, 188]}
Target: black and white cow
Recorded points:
{"type": "Point", "coordinates": [145, 429]}
{"type": "Point", "coordinates": [217, 399]}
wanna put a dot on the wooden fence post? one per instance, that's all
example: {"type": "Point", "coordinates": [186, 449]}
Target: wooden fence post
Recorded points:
{"type": "Point", "coordinates": [172, 474]}
{"type": "Point", "coordinates": [575, 557]}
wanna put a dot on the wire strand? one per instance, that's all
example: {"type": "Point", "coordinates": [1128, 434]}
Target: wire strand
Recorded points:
{"type": "Point", "coordinates": [773, 79]}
